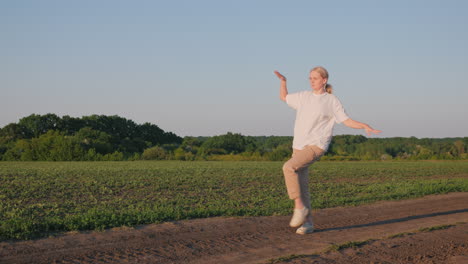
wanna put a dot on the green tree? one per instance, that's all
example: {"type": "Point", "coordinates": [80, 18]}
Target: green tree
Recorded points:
{"type": "Point", "coordinates": [56, 146]}
{"type": "Point", "coordinates": [94, 139]}
{"type": "Point", "coordinates": [230, 143]}
{"type": "Point", "coordinates": [459, 148]}
{"type": "Point", "coordinates": [21, 150]}
{"type": "Point", "coordinates": [36, 125]}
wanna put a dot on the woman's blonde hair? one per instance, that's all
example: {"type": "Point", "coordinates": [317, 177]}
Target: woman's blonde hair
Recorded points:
{"type": "Point", "coordinates": [324, 73]}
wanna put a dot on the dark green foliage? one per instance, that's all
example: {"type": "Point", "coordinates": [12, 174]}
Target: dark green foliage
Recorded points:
{"type": "Point", "coordinates": [96, 137]}
{"type": "Point", "coordinates": [412, 148]}
{"type": "Point", "coordinates": [100, 137]}
{"type": "Point", "coordinates": [228, 143]}
{"type": "Point", "coordinates": [51, 146]}
{"type": "Point", "coordinates": [11, 132]}
{"type": "Point", "coordinates": [36, 125]}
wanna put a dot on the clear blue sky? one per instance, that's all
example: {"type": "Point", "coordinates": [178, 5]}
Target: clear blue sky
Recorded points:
{"type": "Point", "coordinates": [204, 68]}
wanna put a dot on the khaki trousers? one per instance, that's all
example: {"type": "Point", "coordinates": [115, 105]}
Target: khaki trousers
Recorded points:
{"type": "Point", "coordinates": [296, 172]}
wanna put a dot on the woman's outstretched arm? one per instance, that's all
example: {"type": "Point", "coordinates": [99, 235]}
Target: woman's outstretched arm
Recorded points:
{"type": "Point", "coordinates": [358, 125]}
{"type": "Point", "coordinates": [283, 88]}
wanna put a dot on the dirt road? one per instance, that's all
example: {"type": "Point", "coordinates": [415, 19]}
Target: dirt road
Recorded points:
{"type": "Point", "coordinates": [264, 239]}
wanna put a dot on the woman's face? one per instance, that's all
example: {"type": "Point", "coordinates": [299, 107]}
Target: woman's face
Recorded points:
{"type": "Point", "coordinates": [316, 81]}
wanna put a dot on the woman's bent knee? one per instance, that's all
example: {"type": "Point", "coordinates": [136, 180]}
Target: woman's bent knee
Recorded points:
{"type": "Point", "coordinates": [287, 167]}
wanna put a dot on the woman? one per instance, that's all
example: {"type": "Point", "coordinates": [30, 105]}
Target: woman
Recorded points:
{"type": "Point", "coordinates": [316, 113]}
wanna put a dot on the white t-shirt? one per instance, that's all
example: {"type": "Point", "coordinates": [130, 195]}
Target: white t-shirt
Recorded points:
{"type": "Point", "coordinates": [315, 117]}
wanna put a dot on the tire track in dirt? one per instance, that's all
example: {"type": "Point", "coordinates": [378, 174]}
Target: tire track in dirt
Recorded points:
{"type": "Point", "coordinates": [239, 239]}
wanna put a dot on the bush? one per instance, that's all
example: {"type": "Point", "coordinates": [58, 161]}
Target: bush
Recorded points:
{"type": "Point", "coordinates": [116, 156]}
{"type": "Point", "coordinates": [282, 152]}
{"type": "Point", "coordinates": [154, 153]}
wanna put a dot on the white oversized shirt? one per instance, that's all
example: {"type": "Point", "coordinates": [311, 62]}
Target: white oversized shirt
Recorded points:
{"type": "Point", "coordinates": [316, 114]}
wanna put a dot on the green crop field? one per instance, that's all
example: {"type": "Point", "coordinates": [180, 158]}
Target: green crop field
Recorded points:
{"type": "Point", "coordinates": [38, 198]}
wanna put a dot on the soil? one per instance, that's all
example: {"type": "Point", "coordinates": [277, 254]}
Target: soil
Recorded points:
{"type": "Point", "coordinates": [270, 239]}
{"type": "Point", "coordinates": [441, 246]}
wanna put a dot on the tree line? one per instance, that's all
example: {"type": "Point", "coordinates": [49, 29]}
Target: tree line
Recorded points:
{"type": "Point", "coordinates": [105, 138]}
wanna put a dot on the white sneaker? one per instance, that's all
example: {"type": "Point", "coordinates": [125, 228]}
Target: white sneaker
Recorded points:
{"type": "Point", "coordinates": [299, 217]}
{"type": "Point", "coordinates": [305, 229]}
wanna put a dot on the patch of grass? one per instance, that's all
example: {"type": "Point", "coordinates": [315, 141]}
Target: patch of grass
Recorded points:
{"type": "Point", "coordinates": [350, 244]}
{"type": "Point", "coordinates": [401, 234]}
{"type": "Point", "coordinates": [425, 229]}
{"type": "Point", "coordinates": [432, 228]}
{"type": "Point", "coordinates": [40, 198]}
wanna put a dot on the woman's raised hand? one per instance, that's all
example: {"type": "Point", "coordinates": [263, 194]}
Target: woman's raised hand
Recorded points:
{"type": "Point", "coordinates": [370, 131]}
{"type": "Point", "coordinates": [283, 88]}
{"type": "Point", "coordinates": [280, 76]}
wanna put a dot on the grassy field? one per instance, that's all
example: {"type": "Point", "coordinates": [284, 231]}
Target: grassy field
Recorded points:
{"type": "Point", "coordinates": [37, 198]}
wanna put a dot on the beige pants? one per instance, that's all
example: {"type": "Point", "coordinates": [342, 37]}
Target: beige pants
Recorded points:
{"type": "Point", "coordinates": [296, 172]}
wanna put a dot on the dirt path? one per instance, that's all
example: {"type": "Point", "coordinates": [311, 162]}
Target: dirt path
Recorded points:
{"type": "Point", "coordinates": [447, 246]}
{"type": "Point", "coordinates": [249, 239]}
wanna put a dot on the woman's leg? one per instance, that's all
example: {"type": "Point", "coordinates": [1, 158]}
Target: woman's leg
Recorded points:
{"type": "Point", "coordinates": [291, 178]}
{"type": "Point", "coordinates": [305, 192]}
{"type": "Point", "coordinates": [297, 183]}
{"type": "Point", "coordinates": [304, 186]}
{"type": "Point", "coordinates": [296, 174]}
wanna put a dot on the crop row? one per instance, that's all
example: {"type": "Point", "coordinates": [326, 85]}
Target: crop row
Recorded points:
{"type": "Point", "coordinates": [37, 198]}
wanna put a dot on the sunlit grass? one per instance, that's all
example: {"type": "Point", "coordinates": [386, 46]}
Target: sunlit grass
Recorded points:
{"type": "Point", "coordinates": [37, 198]}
